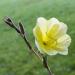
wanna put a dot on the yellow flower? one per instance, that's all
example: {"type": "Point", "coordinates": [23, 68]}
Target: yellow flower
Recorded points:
{"type": "Point", "coordinates": [51, 36]}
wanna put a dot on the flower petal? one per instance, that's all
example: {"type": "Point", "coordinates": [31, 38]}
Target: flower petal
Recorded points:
{"type": "Point", "coordinates": [42, 23]}
{"type": "Point", "coordinates": [56, 28]}
{"type": "Point", "coordinates": [62, 30]}
{"type": "Point", "coordinates": [52, 52]}
{"type": "Point", "coordinates": [53, 27]}
{"type": "Point", "coordinates": [64, 52]}
{"type": "Point", "coordinates": [37, 33]}
{"type": "Point", "coordinates": [52, 21]}
{"type": "Point", "coordinates": [37, 45]}
{"type": "Point", "coordinates": [63, 42]}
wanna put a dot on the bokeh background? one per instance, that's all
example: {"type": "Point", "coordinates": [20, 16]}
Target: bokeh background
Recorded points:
{"type": "Point", "coordinates": [15, 58]}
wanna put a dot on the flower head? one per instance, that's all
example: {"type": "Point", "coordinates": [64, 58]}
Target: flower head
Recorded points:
{"type": "Point", "coordinates": [51, 36]}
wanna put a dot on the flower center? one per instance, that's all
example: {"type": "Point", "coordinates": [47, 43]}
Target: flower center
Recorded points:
{"type": "Point", "coordinates": [48, 42]}
{"type": "Point", "coordinates": [44, 43]}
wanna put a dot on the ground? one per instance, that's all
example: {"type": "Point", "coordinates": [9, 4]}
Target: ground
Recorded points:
{"type": "Point", "coordinates": [15, 58]}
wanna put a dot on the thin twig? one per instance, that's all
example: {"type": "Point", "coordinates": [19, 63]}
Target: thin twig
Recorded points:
{"type": "Point", "coordinates": [45, 63]}
{"type": "Point", "coordinates": [21, 31]}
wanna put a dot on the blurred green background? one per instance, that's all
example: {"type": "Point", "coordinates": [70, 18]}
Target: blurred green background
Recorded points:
{"type": "Point", "coordinates": [15, 58]}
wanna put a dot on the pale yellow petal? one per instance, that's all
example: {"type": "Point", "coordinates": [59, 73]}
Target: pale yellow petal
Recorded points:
{"type": "Point", "coordinates": [63, 42]}
{"type": "Point", "coordinates": [37, 33]}
{"type": "Point", "coordinates": [39, 47]}
{"type": "Point", "coordinates": [57, 29]}
{"type": "Point", "coordinates": [52, 21]}
{"type": "Point", "coordinates": [53, 30]}
{"type": "Point", "coordinates": [64, 52]}
{"type": "Point", "coordinates": [51, 52]}
{"type": "Point", "coordinates": [42, 23]}
{"type": "Point", "coordinates": [62, 30]}
{"type": "Point", "coordinates": [53, 27]}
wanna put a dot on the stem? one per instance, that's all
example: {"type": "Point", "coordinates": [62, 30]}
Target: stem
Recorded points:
{"type": "Point", "coordinates": [45, 63]}
{"type": "Point", "coordinates": [21, 31]}
{"type": "Point", "coordinates": [30, 47]}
